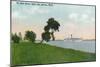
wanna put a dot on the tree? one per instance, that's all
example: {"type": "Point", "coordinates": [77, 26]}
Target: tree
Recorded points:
{"type": "Point", "coordinates": [20, 35]}
{"type": "Point", "coordinates": [15, 38]}
{"type": "Point", "coordinates": [53, 25]}
{"type": "Point", "coordinates": [30, 35]}
{"type": "Point", "coordinates": [46, 36]}
{"type": "Point", "coordinates": [46, 28]}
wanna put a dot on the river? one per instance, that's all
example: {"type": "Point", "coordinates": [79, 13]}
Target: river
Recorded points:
{"type": "Point", "coordinates": [86, 46]}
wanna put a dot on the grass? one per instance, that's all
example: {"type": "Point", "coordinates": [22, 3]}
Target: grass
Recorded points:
{"type": "Point", "coordinates": [27, 53]}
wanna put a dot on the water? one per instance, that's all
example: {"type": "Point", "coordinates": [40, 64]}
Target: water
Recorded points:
{"type": "Point", "coordinates": [86, 46]}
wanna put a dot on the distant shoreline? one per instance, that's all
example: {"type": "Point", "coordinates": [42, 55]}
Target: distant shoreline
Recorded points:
{"type": "Point", "coordinates": [66, 40]}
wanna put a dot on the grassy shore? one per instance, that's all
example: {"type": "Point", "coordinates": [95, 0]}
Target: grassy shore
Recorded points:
{"type": "Point", "coordinates": [26, 53]}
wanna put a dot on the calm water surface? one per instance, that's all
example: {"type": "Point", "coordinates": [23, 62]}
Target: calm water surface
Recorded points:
{"type": "Point", "coordinates": [86, 46]}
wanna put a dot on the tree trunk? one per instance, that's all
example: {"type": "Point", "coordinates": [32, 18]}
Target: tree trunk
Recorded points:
{"type": "Point", "coordinates": [52, 35]}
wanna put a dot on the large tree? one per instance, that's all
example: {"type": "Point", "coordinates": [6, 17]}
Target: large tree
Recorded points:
{"type": "Point", "coordinates": [53, 25]}
{"type": "Point", "coordinates": [49, 29]}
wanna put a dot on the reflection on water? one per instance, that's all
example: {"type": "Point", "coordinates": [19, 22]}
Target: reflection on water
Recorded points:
{"type": "Point", "coordinates": [87, 46]}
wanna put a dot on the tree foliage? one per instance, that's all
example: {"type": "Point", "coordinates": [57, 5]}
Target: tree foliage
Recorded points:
{"type": "Point", "coordinates": [46, 36]}
{"type": "Point", "coordinates": [30, 35]}
{"type": "Point", "coordinates": [15, 38]}
{"type": "Point", "coordinates": [52, 25]}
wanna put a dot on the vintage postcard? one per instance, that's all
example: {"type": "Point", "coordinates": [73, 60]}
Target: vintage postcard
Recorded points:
{"type": "Point", "coordinates": [52, 33]}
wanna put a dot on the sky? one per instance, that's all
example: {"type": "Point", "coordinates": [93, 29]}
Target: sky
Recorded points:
{"type": "Point", "coordinates": [74, 19]}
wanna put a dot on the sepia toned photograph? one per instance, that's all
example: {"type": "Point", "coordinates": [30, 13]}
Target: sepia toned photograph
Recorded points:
{"type": "Point", "coordinates": [52, 33]}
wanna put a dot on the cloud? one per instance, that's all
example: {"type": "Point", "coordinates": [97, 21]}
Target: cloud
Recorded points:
{"type": "Point", "coordinates": [84, 16]}
{"type": "Point", "coordinates": [78, 17]}
{"type": "Point", "coordinates": [28, 12]}
{"type": "Point", "coordinates": [73, 16]}
{"type": "Point", "coordinates": [15, 14]}
{"type": "Point", "coordinates": [81, 18]}
{"type": "Point", "coordinates": [37, 10]}
{"type": "Point", "coordinates": [18, 15]}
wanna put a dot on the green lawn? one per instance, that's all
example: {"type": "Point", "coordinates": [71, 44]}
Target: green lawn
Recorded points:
{"type": "Point", "coordinates": [26, 53]}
